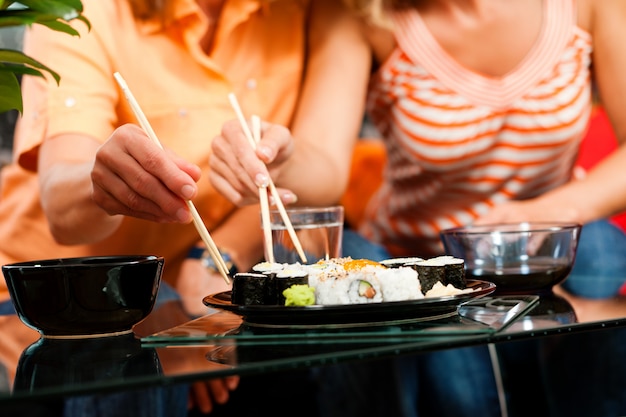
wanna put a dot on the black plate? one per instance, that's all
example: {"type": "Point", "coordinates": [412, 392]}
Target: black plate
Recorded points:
{"type": "Point", "coordinates": [424, 308]}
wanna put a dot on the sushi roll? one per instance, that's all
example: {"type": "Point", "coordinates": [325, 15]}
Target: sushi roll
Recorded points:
{"type": "Point", "coordinates": [287, 277]}
{"type": "Point", "coordinates": [455, 271]}
{"type": "Point", "coordinates": [364, 288]}
{"type": "Point", "coordinates": [429, 272]}
{"type": "Point", "coordinates": [331, 288]}
{"type": "Point", "coordinates": [269, 269]}
{"type": "Point", "coordinates": [399, 284]}
{"type": "Point", "coordinates": [249, 288]}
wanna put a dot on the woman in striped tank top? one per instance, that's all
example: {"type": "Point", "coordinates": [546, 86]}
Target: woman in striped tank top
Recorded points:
{"type": "Point", "coordinates": [474, 134]}
{"type": "Point", "coordinates": [482, 106]}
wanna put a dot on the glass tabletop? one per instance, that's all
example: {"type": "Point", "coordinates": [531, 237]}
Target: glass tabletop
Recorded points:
{"type": "Point", "coordinates": [222, 343]}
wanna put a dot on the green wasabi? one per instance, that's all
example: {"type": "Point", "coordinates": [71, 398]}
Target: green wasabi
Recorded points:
{"type": "Point", "coordinates": [299, 295]}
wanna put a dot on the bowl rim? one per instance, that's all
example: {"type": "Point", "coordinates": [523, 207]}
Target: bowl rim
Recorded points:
{"type": "Point", "coordinates": [79, 261]}
{"type": "Point", "coordinates": [512, 227]}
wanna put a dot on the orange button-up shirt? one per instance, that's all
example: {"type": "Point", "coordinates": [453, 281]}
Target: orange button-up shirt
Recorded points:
{"type": "Point", "coordinates": [258, 53]}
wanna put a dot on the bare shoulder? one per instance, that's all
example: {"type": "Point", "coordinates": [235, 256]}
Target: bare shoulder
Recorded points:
{"type": "Point", "coordinates": [594, 15]}
{"type": "Point", "coordinates": [381, 40]}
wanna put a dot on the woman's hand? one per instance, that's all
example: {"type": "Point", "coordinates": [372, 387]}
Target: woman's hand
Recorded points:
{"type": "Point", "coordinates": [539, 209]}
{"type": "Point", "coordinates": [204, 395]}
{"type": "Point", "coordinates": [133, 176]}
{"type": "Point", "coordinates": [237, 170]}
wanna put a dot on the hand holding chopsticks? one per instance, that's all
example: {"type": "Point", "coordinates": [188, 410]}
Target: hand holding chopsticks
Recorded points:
{"type": "Point", "coordinates": [202, 230]}
{"type": "Point", "coordinates": [281, 208]}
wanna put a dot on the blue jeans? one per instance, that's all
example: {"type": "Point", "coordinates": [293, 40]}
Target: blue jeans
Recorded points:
{"type": "Point", "coordinates": [357, 247]}
{"type": "Point", "coordinates": [600, 266]}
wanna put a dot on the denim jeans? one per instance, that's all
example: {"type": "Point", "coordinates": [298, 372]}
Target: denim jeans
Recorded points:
{"type": "Point", "coordinates": [357, 247]}
{"type": "Point", "coordinates": [600, 266]}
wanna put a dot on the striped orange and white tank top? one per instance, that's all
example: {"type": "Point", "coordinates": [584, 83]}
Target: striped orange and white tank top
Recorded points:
{"type": "Point", "coordinates": [459, 142]}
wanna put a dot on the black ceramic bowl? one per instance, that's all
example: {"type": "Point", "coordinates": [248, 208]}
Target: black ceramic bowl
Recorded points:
{"type": "Point", "coordinates": [519, 258]}
{"type": "Point", "coordinates": [84, 297]}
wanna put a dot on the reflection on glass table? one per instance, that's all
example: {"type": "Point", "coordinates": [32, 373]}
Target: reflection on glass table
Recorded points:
{"type": "Point", "coordinates": [221, 344]}
{"type": "Point", "coordinates": [50, 363]}
{"type": "Point", "coordinates": [476, 317]}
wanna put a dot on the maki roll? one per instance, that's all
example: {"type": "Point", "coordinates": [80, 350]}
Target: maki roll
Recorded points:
{"type": "Point", "coordinates": [287, 277]}
{"type": "Point", "coordinates": [455, 271]}
{"type": "Point", "coordinates": [269, 269]}
{"type": "Point", "coordinates": [399, 284]}
{"type": "Point", "coordinates": [249, 288]}
{"type": "Point", "coordinates": [363, 289]}
{"type": "Point", "coordinates": [429, 272]}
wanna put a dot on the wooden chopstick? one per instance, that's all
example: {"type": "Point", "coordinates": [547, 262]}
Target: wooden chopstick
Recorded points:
{"type": "Point", "coordinates": [264, 200]}
{"type": "Point", "coordinates": [279, 204]}
{"type": "Point", "coordinates": [202, 230]}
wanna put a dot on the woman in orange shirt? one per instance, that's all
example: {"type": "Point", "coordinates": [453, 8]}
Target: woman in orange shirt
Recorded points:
{"type": "Point", "coordinates": [86, 180]}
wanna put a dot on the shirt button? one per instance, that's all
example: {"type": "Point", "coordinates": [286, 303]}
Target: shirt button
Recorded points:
{"type": "Point", "coordinates": [251, 84]}
{"type": "Point", "coordinates": [70, 102]}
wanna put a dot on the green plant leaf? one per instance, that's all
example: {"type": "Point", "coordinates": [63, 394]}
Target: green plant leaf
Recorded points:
{"type": "Point", "coordinates": [59, 26]}
{"type": "Point", "coordinates": [10, 94]}
{"type": "Point", "coordinates": [29, 17]}
{"type": "Point", "coordinates": [64, 9]}
{"type": "Point", "coordinates": [53, 14]}
{"type": "Point", "coordinates": [9, 56]}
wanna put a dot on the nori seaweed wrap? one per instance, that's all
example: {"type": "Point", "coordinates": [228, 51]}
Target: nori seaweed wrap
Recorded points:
{"type": "Point", "coordinates": [249, 288]}
{"type": "Point", "coordinates": [429, 272]}
{"type": "Point", "coordinates": [455, 271]}
{"type": "Point", "coordinates": [269, 269]}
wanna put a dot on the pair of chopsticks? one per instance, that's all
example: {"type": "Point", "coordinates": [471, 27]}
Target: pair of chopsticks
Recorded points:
{"type": "Point", "coordinates": [197, 220]}
{"type": "Point", "coordinates": [253, 139]}
{"type": "Point", "coordinates": [263, 198]}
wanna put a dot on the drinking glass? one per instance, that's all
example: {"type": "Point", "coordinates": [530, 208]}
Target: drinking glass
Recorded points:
{"type": "Point", "coordinates": [319, 230]}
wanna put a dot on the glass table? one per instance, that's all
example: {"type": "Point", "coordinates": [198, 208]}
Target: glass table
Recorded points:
{"type": "Point", "coordinates": [221, 344]}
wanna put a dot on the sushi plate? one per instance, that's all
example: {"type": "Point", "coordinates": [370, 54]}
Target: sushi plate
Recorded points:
{"type": "Point", "coordinates": [422, 309]}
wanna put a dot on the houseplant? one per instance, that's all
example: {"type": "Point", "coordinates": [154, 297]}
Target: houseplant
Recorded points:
{"type": "Point", "coordinates": [54, 14]}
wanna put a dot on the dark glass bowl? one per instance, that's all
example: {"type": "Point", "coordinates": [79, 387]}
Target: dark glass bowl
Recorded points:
{"type": "Point", "coordinates": [86, 296]}
{"type": "Point", "coordinates": [519, 258]}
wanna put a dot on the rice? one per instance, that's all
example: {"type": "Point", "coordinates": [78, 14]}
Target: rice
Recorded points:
{"type": "Point", "coordinates": [400, 284]}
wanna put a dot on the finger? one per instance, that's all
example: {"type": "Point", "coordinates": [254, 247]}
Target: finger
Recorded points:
{"type": "Point", "coordinates": [191, 169]}
{"type": "Point", "coordinates": [113, 195]}
{"type": "Point", "coordinates": [230, 193]}
{"type": "Point", "coordinates": [237, 152]}
{"type": "Point", "coordinates": [228, 168]}
{"type": "Point", "coordinates": [160, 164]}
{"type": "Point", "coordinates": [232, 382]}
{"type": "Point", "coordinates": [200, 397]}
{"type": "Point", "coordinates": [136, 191]}
{"type": "Point", "coordinates": [276, 144]}
{"type": "Point", "coordinates": [240, 167]}
{"type": "Point", "coordinates": [286, 196]}
{"type": "Point", "coordinates": [112, 206]}
{"type": "Point", "coordinates": [219, 390]}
